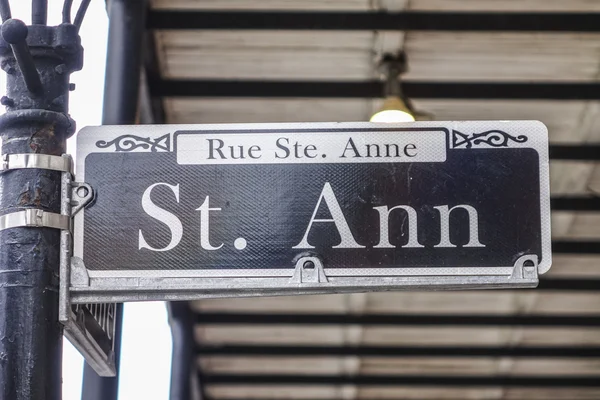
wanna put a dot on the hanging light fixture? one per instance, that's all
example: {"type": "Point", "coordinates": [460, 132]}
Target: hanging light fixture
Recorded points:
{"type": "Point", "coordinates": [395, 108]}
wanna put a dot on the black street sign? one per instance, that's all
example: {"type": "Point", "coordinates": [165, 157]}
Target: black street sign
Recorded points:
{"type": "Point", "coordinates": [192, 211]}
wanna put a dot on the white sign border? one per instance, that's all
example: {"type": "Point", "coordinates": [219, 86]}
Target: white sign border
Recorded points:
{"type": "Point", "coordinates": [161, 138]}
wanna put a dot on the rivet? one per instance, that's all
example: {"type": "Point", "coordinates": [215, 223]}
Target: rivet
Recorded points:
{"type": "Point", "coordinates": [7, 101]}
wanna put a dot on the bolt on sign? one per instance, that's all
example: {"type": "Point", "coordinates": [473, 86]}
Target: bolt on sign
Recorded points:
{"type": "Point", "coordinates": [195, 211]}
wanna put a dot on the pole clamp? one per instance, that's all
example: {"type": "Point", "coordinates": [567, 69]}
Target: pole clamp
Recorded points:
{"type": "Point", "coordinates": [39, 161]}
{"type": "Point", "coordinates": [89, 327]}
{"type": "Point", "coordinates": [35, 218]}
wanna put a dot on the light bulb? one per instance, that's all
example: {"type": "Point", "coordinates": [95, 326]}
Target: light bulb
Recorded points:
{"type": "Point", "coordinates": [393, 110]}
{"type": "Point", "coordinates": [392, 116]}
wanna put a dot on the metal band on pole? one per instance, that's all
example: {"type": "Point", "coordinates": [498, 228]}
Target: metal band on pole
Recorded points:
{"type": "Point", "coordinates": [39, 161]}
{"type": "Point", "coordinates": [34, 218]}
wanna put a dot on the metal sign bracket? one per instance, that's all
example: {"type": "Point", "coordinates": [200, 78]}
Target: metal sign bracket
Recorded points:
{"type": "Point", "coordinates": [89, 327]}
{"type": "Point", "coordinates": [33, 217]}
{"type": "Point", "coordinates": [75, 196]}
{"type": "Point", "coordinates": [525, 268]}
{"type": "Point", "coordinates": [309, 269]}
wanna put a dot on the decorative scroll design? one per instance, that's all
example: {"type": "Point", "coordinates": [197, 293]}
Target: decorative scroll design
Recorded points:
{"type": "Point", "coordinates": [494, 138]}
{"type": "Point", "coordinates": [126, 143]}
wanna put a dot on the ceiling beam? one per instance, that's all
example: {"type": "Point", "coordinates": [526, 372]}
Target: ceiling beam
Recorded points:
{"type": "Point", "coordinates": [375, 89]}
{"type": "Point", "coordinates": [238, 350]}
{"type": "Point", "coordinates": [575, 247]}
{"type": "Point", "coordinates": [404, 380]}
{"type": "Point", "coordinates": [576, 203]}
{"type": "Point", "coordinates": [375, 21]}
{"type": "Point", "coordinates": [583, 152]}
{"type": "Point", "coordinates": [580, 285]}
{"type": "Point", "coordinates": [464, 320]}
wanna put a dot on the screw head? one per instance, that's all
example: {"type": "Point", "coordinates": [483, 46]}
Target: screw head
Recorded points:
{"type": "Point", "coordinates": [7, 101]}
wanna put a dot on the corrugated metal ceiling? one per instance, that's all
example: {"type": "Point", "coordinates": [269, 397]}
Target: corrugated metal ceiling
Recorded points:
{"type": "Point", "coordinates": [351, 55]}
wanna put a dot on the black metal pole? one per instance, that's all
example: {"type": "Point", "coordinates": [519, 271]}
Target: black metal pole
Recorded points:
{"type": "Point", "coordinates": [39, 12]}
{"type": "Point", "coordinates": [38, 61]}
{"type": "Point", "coordinates": [121, 98]}
{"type": "Point", "coordinates": [123, 61]}
{"type": "Point", "coordinates": [181, 320]}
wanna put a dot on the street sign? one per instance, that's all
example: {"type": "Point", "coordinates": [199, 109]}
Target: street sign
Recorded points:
{"type": "Point", "coordinates": [194, 211]}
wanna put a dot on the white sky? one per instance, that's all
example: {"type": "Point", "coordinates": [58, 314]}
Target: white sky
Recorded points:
{"type": "Point", "coordinates": [146, 347]}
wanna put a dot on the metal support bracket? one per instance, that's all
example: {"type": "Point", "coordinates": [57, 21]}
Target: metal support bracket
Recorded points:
{"type": "Point", "coordinates": [36, 218]}
{"type": "Point", "coordinates": [75, 196]}
{"type": "Point", "coordinates": [89, 327]}
{"type": "Point", "coordinates": [82, 195]}
{"type": "Point", "coordinates": [525, 268]}
{"type": "Point", "coordinates": [309, 269]}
